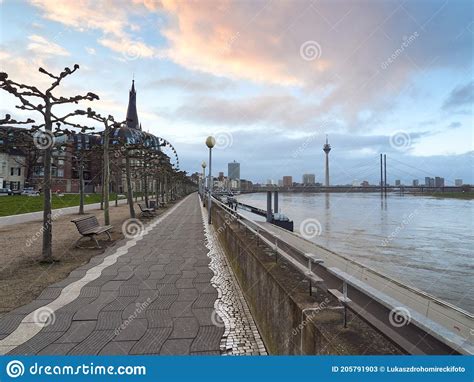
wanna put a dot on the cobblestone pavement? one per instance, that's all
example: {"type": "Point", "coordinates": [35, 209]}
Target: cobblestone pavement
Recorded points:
{"type": "Point", "coordinates": [151, 294]}
{"type": "Point", "coordinates": [241, 336]}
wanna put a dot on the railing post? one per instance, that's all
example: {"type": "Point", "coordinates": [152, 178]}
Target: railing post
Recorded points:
{"type": "Point", "coordinates": [276, 250]}
{"type": "Point", "coordinates": [344, 292]}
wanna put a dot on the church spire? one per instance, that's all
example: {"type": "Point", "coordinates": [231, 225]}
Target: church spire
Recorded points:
{"type": "Point", "coordinates": [132, 115]}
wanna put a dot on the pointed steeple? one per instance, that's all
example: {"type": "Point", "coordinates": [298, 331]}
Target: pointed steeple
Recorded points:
{"type": "Point", "coordinates": [132, 115]}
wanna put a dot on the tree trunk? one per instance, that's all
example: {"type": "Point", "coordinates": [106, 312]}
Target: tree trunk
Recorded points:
{"type": "Point", "coordinates": [157, 191]}
{"type": "Point", "coordinates": [129, 185]}
{"type": "Point", "coordinates": [47, 251]}
{"type": "Point", "coordinates": [105, 191]}
{"type": "Point", "coordinates": [102, 189]}
{"type": "Point", "coordinates": [145, 188]}
{"type": "Point", "coordinates": [81, 184]}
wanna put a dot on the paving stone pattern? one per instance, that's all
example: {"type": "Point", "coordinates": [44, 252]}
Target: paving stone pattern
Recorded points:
{"type": "Point", "coordinates": [159, 297]}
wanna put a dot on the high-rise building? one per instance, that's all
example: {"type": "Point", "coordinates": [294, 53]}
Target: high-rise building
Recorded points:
{"type": "Point", "coordinates": [309, 179]}
{"type": "Point", "coordinates": [327, 149]}
{"type": "Point", "coordinates": [280, 182]}
{"type": "Point", "coordinates": [398, 182]}
{"type": "Point", "coordinates": [439, 182]}
{"type": "Point", "coordinates": [429, 182]}
{"type": "Point", "coordinates": [416, 182]}
{"type": "Point", "coordinates": [233, 170]}
{"type": "Point", "coordinates": [287, 181]}
{"type": "Point", "coordinates": [458, 182]}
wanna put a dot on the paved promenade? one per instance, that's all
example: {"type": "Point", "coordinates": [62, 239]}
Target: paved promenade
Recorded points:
{"type": "Point", "coordinates": [154, 293]}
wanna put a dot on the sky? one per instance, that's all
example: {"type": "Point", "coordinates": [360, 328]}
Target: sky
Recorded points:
{"type": "Point", "coordinates": [269, 79]}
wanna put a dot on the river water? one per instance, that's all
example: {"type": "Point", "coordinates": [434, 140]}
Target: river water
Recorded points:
{"type": "Point", "coordinates": [424, 242]}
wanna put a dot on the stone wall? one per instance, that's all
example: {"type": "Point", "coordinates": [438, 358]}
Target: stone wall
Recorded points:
{"type": "Point", "coordinates": [278, 295]}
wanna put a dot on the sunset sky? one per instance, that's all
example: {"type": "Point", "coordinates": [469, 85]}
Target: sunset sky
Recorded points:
{"type": "Point", "coordinates": [268, 78]}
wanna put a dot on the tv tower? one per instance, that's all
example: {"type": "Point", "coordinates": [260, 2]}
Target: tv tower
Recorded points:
{"type": "Point", "coordinates": [327, 149]}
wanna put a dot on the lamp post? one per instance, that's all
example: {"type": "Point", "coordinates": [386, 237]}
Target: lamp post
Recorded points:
{"type": "Point", "coordinates": [210, 142]}
{"type": "Point", "coordinates": [203, 183]}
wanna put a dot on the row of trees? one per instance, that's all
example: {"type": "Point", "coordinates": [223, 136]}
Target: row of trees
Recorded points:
{"type": "Point", "coordinates": [120, 157]}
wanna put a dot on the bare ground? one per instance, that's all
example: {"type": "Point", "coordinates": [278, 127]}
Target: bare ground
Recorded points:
{"type": "Point", "coordinates": [23, 277]}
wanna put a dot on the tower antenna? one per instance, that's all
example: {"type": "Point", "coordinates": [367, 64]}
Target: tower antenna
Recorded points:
{"type": "Point", "coordinates": [327, 149]}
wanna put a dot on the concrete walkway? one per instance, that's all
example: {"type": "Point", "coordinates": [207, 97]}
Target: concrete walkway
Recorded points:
{"type": "Point", "coordinates": [150, 294]}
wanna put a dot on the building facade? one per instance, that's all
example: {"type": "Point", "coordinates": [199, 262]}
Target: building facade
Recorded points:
{"type": "Point", "coordinates": [233, 170]}
{"type": "Point", "coordinates": [309, 179]}
{"type": "Point", "coordinates": [287, 181]}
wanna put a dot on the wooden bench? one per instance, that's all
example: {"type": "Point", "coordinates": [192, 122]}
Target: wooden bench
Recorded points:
{"type": "Point", "coordinates": [145, 211]}
{"type": "Point", "coordinates": [88, 226]}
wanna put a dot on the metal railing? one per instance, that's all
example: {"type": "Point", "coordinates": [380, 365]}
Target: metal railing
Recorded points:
{"type": "Point", "coordinates": [296, 257]}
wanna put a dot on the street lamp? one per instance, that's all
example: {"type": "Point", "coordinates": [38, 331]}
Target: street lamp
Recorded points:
{"type": "Point", "coordinates": [210, 142]}
{"type": "Point", "coordinates": [203, 183]}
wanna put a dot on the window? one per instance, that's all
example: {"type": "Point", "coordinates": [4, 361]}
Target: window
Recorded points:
{"type": "Point", "coordinates": [38, 171]}
{"type": "Point", "coordinates": [15, 171]}
{"type": "Point", "coordinates": [60, 173]}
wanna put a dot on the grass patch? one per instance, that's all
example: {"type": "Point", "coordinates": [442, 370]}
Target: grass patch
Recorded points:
{"type": "Point", "coordinates": [20, 204]}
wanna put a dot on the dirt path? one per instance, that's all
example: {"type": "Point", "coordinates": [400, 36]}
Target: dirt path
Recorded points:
{"type": "Point", "coordinates": [22, 277]}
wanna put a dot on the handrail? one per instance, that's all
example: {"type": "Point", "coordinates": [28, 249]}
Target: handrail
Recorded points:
{"type": "Point", "coordinates": [256, 228]}
{"type": "Point", "coordinates": [376, 272]}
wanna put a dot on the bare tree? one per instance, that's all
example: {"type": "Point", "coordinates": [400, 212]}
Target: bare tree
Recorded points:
{"type": "Point", "coordinates": [109, 123]}
{"type": "Point", "coordinates": [43, 102]}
